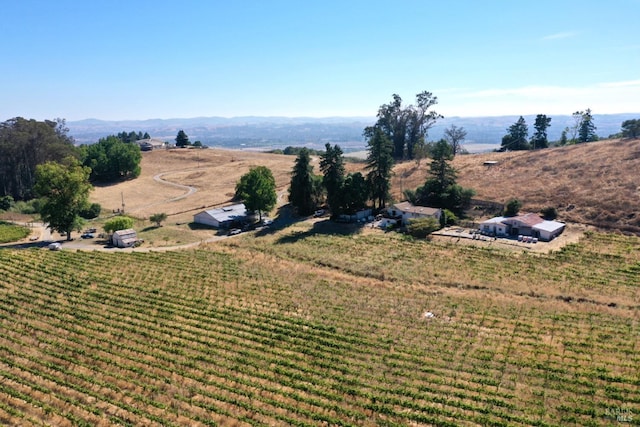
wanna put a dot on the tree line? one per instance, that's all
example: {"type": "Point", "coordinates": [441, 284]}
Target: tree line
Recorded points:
{"type": "Point", "coordinates": [399, 134]}
{"type": "Point", "coordinates": [517, 138]}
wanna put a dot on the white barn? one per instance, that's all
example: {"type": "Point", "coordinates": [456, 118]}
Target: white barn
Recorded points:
{"type": "Point", "coordinates": [222, 217]}
{"type": "Point", "coordinates": [528, 224]}
{"type": "Point", "coordinates": [124, 238]}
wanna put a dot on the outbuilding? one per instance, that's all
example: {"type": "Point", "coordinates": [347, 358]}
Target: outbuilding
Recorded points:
{"type": "Point", "coordinates": [124, 238]}
{"type": "Point", "coordinates": [223, 217]}
{"type": "Point", "coordinates": [528, 224]}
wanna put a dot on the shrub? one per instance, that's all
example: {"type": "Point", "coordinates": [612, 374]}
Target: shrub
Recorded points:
{"type": "Point", "coordinates": [512, 207]}
{"type": "Point", "coordinates": [448, 217]}
{"type": "Point", "coordinates": [118, 223]}
{"type": "Point", "coordinates": [93, 211]}
{"type": "Point", "coordinates": [158, 218]}
{"type": "Point", "coordinates": [422, 227]}
{"type": "Point", "coordinates": [549, 213]}
{"type": "Point", "coordinates": [6, 202]}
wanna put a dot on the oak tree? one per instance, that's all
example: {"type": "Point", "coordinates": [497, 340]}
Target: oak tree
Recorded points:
{"type": "Point", "coordinates": [257, 189]}
{"type": "Point", "coordinates": [64, 189]}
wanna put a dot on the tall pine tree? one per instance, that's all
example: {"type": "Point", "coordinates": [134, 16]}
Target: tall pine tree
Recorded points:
{"type": "Point", "coordinates": [539, 138]}
{"type": "Point", "coordinates": [332, 167]}
{"type": "Point", "coordinates": [301, 192]}
{"type": "Point", "coordinates": [379, 165]}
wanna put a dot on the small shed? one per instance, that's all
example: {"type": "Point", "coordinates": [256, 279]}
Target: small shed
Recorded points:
{"type": "Point", "coordinates": [124, 238]}
{"type": "Point", "coordinates": [222, 217]}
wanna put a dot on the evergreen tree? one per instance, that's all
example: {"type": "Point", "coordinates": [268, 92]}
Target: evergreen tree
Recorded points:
{"type": "Point", "coordinates": [25, 144]}
{"type": "Point", "coordinates": [182, 140]}
{"type": "Point", "coordinates": [563, 137]}
{"type": "Point", "coordinates": [587, 129]}
{"type": "Point", "coordinates": [631, 128]}
{"type": "Point", "coordinates": [539, 138]}
{"type": "Point", "coordinates": [440, 189]}
{"type": "Point", "coordinates": [379, 165]}
{"type": "Point", "coordinates": [354, 193]}
{"type": "Point", "coordinates": [332, 167]}
{"type": "Point", "coordinates": [516, 139]}
{"type": "Point", "coordinates": [301, 187]}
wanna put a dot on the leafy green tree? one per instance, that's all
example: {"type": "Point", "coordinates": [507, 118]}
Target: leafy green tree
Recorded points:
{"type": "Point", "coordinates": [516, 139]}
{"type": "Point", "coordinates": [407, 127]}
{"type": "Point", "coordinates": [158, 218]}
{"type": "Point", "coordinates": [512, 207]}
{"type": "Point", "coordinates": [92, 211]}
{"type": "Point", "coordinates": [257, 189]}
{"type": "Point", "coordinates": [182, 140]}
{"type": "Point", "coordinates": [332, 167]}
{"type": "Point", "coordinates": [118, 223]}
{"type": "Point", "coordinates": [422, 227]}
{"type": "Point", "coordinates": [420, 120]}
{"type": "Point", "coordinates": [379, 165]}
{"type": "Point", "coordinates": [586, 129]}
{"type": "Point", "coordinates": [454, 136]}
{"type": "Point", "coordinates": [112, 159]}
{"type": "Point", "coordinates": [198, 144]}
{"type": "Point", "coordinates": [146, 136]}
{"type": "Point", "coordinates": [25, 144]}
{"type": "Point", "coordinates": [64, 189]}
{"type": "Point", "coordinates": [631, 128]}
{"type": "Point", "coordinates": [539, 138]}
{"type": "Point", "coordinates": [301, 187]}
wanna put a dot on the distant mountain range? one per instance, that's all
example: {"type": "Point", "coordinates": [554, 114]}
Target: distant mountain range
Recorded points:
{"type": "Point", "coordinates": [262, 133]}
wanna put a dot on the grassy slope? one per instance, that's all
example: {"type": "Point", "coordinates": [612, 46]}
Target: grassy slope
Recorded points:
{"type": "Point", "coordinates": [595, 183]}
{"type": "Point", "coordinates": [303, 327]}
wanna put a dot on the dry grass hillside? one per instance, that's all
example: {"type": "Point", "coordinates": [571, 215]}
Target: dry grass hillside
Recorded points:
{"type": "Point", "coordinates": [212, 173]}
{"type": "Point", "coordinates": [596, 183]}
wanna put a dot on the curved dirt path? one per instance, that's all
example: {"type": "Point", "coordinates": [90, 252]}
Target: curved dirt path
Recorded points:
{"type": "Point", "coordinates": [158, 178]}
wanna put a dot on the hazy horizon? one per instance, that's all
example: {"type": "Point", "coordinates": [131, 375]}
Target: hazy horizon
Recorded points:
{"type": "Point", "coordinates": [73, 59]}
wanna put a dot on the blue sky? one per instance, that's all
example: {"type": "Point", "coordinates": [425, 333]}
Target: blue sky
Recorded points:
{"type": "Point", "coordinates": [137, 59]}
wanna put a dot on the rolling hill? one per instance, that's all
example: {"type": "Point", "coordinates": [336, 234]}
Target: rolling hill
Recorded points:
{"type": "Point", "coordinates": [595, 184]}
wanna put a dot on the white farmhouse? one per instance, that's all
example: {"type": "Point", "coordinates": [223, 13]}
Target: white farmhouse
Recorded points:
{"type": "Point", "coordinates": [406, 211]}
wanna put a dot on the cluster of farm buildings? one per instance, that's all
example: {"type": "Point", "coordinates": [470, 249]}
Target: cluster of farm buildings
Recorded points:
{"type": "Point", "coordinates": [529, 224]}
